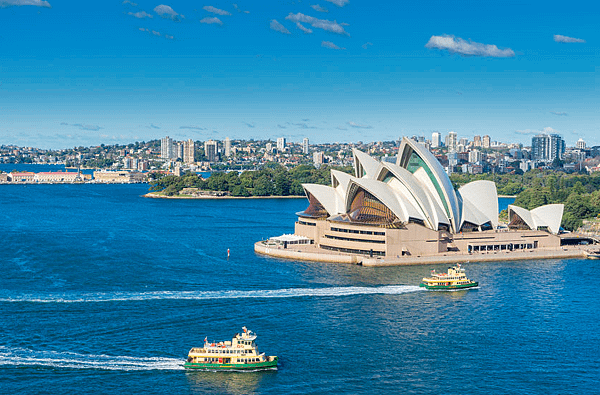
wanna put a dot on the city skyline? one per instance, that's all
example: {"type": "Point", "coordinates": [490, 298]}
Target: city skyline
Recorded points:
{"type": "Point", "coordinates": [75, 74]}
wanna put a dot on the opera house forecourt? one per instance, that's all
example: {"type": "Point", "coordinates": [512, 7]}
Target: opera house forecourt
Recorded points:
{"type": "Point", "coordinates": [409, 213]}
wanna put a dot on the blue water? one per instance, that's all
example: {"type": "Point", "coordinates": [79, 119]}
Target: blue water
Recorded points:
{"type": "Point", "coordinates": [104, 292]}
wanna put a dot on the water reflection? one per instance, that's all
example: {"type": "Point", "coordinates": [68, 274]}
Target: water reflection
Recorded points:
{"type": "Point", "coordinates": [202, 381]}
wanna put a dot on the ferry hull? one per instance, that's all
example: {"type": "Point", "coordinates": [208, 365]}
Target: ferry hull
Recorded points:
{"type": "Point", "coordinates": [233, 366]}
{"type": "Point", "coordinates": [458, 286]}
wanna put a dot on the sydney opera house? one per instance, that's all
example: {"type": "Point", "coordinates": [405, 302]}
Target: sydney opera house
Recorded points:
{"type": "Point", "coordinates": [410, 208]}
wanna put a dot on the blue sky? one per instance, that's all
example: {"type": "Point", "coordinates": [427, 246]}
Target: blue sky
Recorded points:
{"type": "Point", "coordinates": [83, 73]}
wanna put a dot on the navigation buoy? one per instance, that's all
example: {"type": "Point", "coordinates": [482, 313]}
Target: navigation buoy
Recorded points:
{"type": "Point", "coordinates": [228, 253]}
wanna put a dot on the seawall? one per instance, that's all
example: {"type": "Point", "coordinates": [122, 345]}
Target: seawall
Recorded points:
{"type": "Point", "coordinates": [315, 254]}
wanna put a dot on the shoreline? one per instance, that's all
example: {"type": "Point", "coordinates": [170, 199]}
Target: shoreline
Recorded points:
{"type": "Point", "coordinates": [153, 195]}
{"type": "Point", "coordinates": [314, 254]}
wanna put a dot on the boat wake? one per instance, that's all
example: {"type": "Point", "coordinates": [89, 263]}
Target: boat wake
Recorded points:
{"type": "Point", "coordinates": [97, 297]}
{"type": "Point", "coordinates": [25, 357]}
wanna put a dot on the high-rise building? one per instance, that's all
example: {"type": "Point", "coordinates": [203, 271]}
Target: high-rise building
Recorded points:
{"type": "Point", "coordinates": [211, 150]}
{"type": "Point", "coordinates": [305, 146]}
{"type": "Point", "coordinates": [436, 139]}
{"type": "Point", "coordinates": [486, 143]}
{"type": "Point", "coordinates": [547, 147]}
{"type": "Point", "coordinates": [269, 148]}
{"type": "Point", "coordinates": [452, 141]}
{"type": "Point", "coordinates": [189, 148]}
{"type": "Point", "coordinates": [580, 144]}
{"type": "Point", "coordinates": [177, 150]}
{"type": "Point", "coordinates": [166, 148]}
{"type": "Point", "coordinates": [474, 156]}
{"type": "Point", "coordinates": [281, 143]}
{"type": "Point", "coordinates": [477, 141]}
{"type": "Point", "coordinates": [318, 158]}
{"type": "Point", "coordinates": [463, 141]}
{"type": "Point", "coordinates": [227, 147]}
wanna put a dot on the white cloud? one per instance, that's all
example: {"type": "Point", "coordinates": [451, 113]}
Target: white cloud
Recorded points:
{"type": "Point", "coordinates": [278, 27]}
{"type": "Point", "coordinates": [155, 33]}
{"type": "Point", "coordinates": [339, 3]}
{"type": "Point", "coordinates": [358, 126]}
{"type": "Point", "coordinates": [211, 21]}
{"type": "Point", "coordinates": [565, 39]}
{"type": "Point", "coordinates": [214, 10]}
{"type": "Point", "coordinates": [37, 3]}
{"type": "Point", "coordinates": [303, 28]}
{"type": "Point", "coordinates": [469, 48]}
{"type": "Point", "coordinates": [324, 24]}
{"type": "Point", "coordinates": [130, 2]}
{"type": "Point", "coordinates": [366, 45]}
{"type": "Point", "coordinates": [318, 8]}
{"type": "Point", "coordinates": [167, 12]}
{"type": "Point", "coordinates": [140, 14]}
{"type": "Point", "coordinates": [546, 130]}
{"type": "Point", "coordinates": [329, 44]}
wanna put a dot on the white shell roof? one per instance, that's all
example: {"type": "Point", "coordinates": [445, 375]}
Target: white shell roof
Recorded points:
{"type": "Point", "coordinates": [483, 196]}
{"type": "Point", "coordinates": [439, 173]}
{"type": "Point", "coordinates": [549, 215]}
{"type": "Point", "coordinates": [401, 207]}
{"type": "Point", "coordinates": [429, 208]}
{"type": "Point", "coordinates": [370, 165]}
{"type": "Point", "coordinates": [325, 195]}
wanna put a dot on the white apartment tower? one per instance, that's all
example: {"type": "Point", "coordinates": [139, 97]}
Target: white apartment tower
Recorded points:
{"type": "Point", "coordinates": [281, 143]}
{"type": "Point", "coordinates": [436, 139]}
{"type": "Point", "coordinates": [189, 148]}
{"type": "Point", "coordinates": [580, 144]}
{"type": "Point", "coordinates": [452, 141]}
{"type": "Point", "coordinates": [166, 148]}
{"type": "Point", "coordinates": [227, 147]}
{"type": "Point", "coordinates": [305, 146]}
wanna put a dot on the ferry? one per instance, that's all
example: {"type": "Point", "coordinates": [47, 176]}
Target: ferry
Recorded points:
{"type": "Point", "coordinates": [454, 279]}
{"type": "Point", "coordinates": [241, 353]}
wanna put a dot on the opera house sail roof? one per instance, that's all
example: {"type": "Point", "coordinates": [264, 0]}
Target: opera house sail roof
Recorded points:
{"type": "Point", "coordinates": [416, 189]}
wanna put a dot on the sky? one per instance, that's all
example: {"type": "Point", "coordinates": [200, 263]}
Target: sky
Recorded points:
{"type": "Point", "coordinates": [82, 73]}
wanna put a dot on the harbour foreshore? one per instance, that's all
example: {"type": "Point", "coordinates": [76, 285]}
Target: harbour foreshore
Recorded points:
{"type": "Point", "coordinates": [313, 253]}
{"type": "Point", "coordinates": [154, 195]}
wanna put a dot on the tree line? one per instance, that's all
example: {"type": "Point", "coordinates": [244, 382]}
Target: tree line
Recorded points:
{"type": "Point", "coordinates": [274, 180]}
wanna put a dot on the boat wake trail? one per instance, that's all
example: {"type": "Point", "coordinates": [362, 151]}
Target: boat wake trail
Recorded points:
{"type": "Point", "coordinates": [97, 297]}
{"type": "Point", "coordinates": [25, 357]}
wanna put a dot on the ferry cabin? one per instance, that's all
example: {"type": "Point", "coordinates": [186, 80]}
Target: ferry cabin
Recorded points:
{"type": "Point", "coordinates": [237, 351]}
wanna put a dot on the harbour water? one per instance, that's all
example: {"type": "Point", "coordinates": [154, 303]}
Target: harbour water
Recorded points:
{"type": "Point", "coordinates": [104, 292]}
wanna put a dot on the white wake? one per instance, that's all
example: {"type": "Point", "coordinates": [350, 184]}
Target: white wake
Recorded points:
{"type": "Point", "coordinates": [92, 297]}
{"type": "Point", "coordinates": [26, 357]}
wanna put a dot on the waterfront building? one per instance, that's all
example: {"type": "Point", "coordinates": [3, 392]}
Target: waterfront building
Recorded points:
{"type": "Point", "coordinates": [547, 147]}
{"type": "Point", "coordinates": [189, 151]}
{"type": "Point", "coordinates": [281, 144]}
{"type": "Point", "coordinates": [211, 150]}
{"type": "Point", "coordinates": [409, 208]}
{"type": "Point", "coordinates": [227, 147]}
{"type": "Point", "coordinates": [118, 177]}
{"type": "Point", "coordinates": [23, 176]}
{"type": "Point", "coordinates": [305, 146]}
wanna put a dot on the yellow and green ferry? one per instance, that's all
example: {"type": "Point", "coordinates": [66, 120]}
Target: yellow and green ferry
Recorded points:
{"type": "Point", "coordinates": [454, 279]}
{"type": "Point", "coordinates": [241, 353]}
